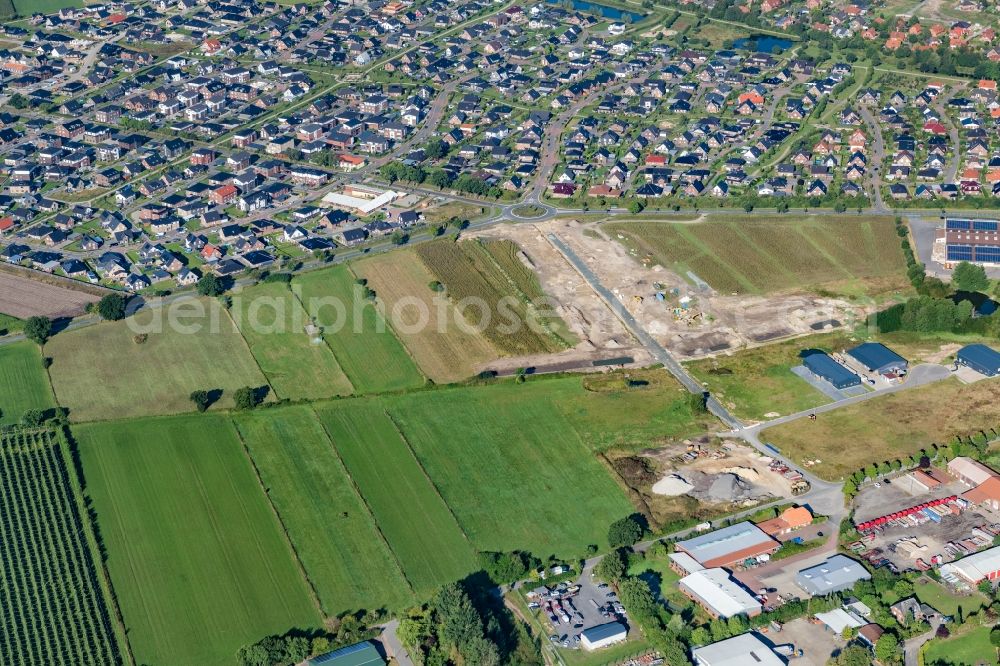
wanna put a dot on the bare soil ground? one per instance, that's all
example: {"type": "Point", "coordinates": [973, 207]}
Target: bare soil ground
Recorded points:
{"type": "Point", "coordinates": [23, 297]}
{"type": "Point", "coordinates": [709, 323]}
{"type": "Point", "coordinates": [601, 333]}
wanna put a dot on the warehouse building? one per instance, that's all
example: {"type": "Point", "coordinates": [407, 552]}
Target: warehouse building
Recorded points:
{"type": "Point", "coordinates": [359, 654]}
{"type": "Point", "coordinates": [977, 241]}
{"type": "Point", "coordinates": [982, 359]}
{"type": "Point", "coordinates": [824, 367]}
{"type": "Point", "coordinates": [837, 573]}
{"type": "Point", "coordinates": [719, 594]}
{"type": "Point", "coordinates": [730, 546]}
{"type": "Point", "coordinates": [984, 565]}
{"type": "Point", "coordinates": [739, 650]}
{"type": "Point", "coordinates": [878, 359]}
{"type": "Point", "coordinates": [970, 472]}
{"type": "Point", "coordinates": [603, 635]}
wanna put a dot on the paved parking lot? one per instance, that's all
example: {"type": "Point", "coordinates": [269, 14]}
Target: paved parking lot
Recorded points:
{"type": "Point", "coordinates": [817, 644]}
{"type": "Point", "coordinates": [583, 608]}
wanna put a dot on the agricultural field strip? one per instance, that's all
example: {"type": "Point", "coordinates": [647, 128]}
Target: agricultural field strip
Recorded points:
{"type": "Point", "coordinates": [306, 481]}
{"type": "Point", "coordinates": [55, 595]}
{"type": "Point", "coordinates": [431, 546]}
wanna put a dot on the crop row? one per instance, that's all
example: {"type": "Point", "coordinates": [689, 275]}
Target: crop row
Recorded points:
{"type": "Point", "coordinates": [51, 606]}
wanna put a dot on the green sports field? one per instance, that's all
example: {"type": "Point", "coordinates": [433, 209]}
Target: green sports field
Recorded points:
{"type": "Point", "coordinates": [512, 467]}
{"type": "Point", "coordinates": [198, 561]}
{"type": "Point", "coordinates": [342, 551]}
{"type": "Point", "coordinates": [364, 345]}
{"type": "Point", "coordinates": [273, 323]}
{"type": "Point", "coordinates": [105, 372]}
{"type": "Point", "coordinates": [415, 520]}
{"type": "Point", "coordinates": [23, 383]}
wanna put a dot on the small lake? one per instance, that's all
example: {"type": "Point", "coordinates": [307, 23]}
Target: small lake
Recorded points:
{"type": "Point", "coordinates": [763, 43]}
{"type": "Point", "coordinates": [606, 11]}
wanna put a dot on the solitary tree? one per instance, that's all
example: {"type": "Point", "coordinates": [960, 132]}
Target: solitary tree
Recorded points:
{"type": "Point", "coordinates": [112, 307]}
{"type": "Point", "coordinates": [201, 400]}
{"type": "Point", "coordinates": [624, 532]}
{"type": "Point", "coordinates": [886, 647]}
{"type": "Point", "coordinates": [611, 568]}
{"type": "Point", "coordinates": [38, 329]}
{"type": "Point", "coordinates": [210, 285]}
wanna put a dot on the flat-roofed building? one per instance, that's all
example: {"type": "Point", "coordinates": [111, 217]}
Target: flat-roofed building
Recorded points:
{"type": "Point", "coordinates": [603, 635]}
{"type": "Point", "coordinates": [984, 565]}
{"type": "Point", "coordinates": [729, 546]}
{"type": "Point", "coordinates": [739, 650]}
{"type": "Point", "coordinates": [719, 594]}
{"type": "Point", "coordinates": [837, 573]}
{"type": "Point", "coordinates": [984, 360]}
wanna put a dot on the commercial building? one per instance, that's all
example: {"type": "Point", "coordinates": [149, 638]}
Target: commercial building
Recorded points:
{"type": "Point", "coordinates": [837, 573]}
{"type": "Point", "coordinates": [603, 635]}
{"type": "Point", "coordinates": [791, 519]}
{"type": "Point", "coordinates": [977, 241]}
{"type": "Point", "coordinates": [684, 564]}
{"type": "Point", "coordinates": [729, 546]}
{"type": "Point", "coordinates": [359, 654]}
{"type": "Point", "coordinates": [839, 619]}
{"type": "Point", "coordinates": [982, 359]}
{"type": "Point", "coordinates": [984, 565]}
{"type": "Point", "coordinates": [737, 651]}
{"type": "Point", "coordinates": [970, 472]}
{"type": "Point", "coordinates": [824, 367]}
{"type": "Point", "coordinates": [876, 358]}
{"type": "Point", "coordinates": [719, 594]}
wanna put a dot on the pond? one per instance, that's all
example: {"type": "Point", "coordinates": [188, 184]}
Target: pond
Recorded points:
{"type": "Point", "coordinates": [763, 43]}
{"type": "Point", "coordinates": [606, 11]}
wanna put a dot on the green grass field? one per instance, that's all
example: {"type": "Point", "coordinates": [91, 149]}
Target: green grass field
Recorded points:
{"type": "Point", "coordinates": [888, 427]}
{"type": "Point", "coordinates": [273, 323]}
{"type": "Point", "coordinates": [343, 553]}
{"type": "Point", "coordinates": [512, 467]}
{"type": "Point", "coordinates": [971, 648]}
{"type": "Point", "coordinates": [29, 7]}
{"type": "Point", "coordinates": [364, 346]}
{"type": "Point", "coordinates": [197, 558]}
{"type": "Point", "coordinates": [101, 372]}
{"type": "Point", "coordinates": [758, 381]}
{"type": "Point", "coordinates": [755, 255]}
{"type": "Point", "coordinates": [935, 594]}
{"type": "Point", "coordinates": [10, 324]}
{"type": "Point", "coordinates": [23, 382]}
{"type": "Point", "coordinates": [415, 520]}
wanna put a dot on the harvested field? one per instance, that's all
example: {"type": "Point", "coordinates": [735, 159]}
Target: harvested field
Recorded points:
{"type": "Point", "coordinates": [444, 345]}
{"type": "Point", "coordinates": [755, 255]}
{"type": "Point", "coordinates": [24, 297]}
{"type": "Point", "coordinates": [474, 277]}
{"type": "Point", "coordinates": [889, 426]}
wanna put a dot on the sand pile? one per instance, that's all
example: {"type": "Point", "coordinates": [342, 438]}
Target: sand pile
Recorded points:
{"type": "Point", "coordinates": [672, 486]}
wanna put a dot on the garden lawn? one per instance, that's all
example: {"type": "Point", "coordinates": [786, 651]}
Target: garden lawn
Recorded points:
{"type": "Point", "coordinates": [273, 323]}
{"type": "Point", "coordinates": [889, 426]}
{"type": "Point", "coordinates": [198, 561]}
{"type": "Point", "coordinates": [23, 382]}
{"type": "Point", "coordinates": [935, 595]}
{"type": "Point", "coordinates": [102, 372]}
{"type": "Point", "coordinates": [969, 649]}
{"type": "Point", "coordinates": [363, 344]}
{"type": "Point", "coordinates": [343, 553]}
{"type": "Point", "coordinates": [415, 520]}
{"type": "Point", "coordinates": [512, 467]}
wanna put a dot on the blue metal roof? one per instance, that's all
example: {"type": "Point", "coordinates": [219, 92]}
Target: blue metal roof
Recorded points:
{"type": "Point", "coordinates": [602, 631]}
{"type": "Point", "coordinates": [875, 355]}
{"type": "Point", "coordinates": [981, 358]}
{"type": "Point", "coordinates": [824, 366]}
{"type": "Point", "coordinates": [359, 654]}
